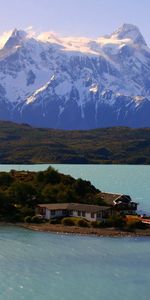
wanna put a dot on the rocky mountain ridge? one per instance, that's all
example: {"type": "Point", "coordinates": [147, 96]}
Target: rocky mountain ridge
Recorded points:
{"type": "Point", "coordinates": [76, 83]}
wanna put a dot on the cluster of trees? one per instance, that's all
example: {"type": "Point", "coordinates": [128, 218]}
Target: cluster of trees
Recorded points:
{"type": "Point", "coordinates": [18, 144]}
{"type": "Point", "coordinates": [20, 192]}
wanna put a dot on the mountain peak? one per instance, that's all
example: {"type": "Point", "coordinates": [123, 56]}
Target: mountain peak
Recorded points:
{"type": "Point", "coordinates": [16, 38]}
{"type": "Point", "coordinates": [129, 31]}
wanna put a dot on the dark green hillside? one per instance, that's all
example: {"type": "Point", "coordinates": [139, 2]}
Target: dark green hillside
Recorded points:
{"type": "Point", "coordinates": [21, 192]}
{"type": "Point", "coordinates": [21, 144]}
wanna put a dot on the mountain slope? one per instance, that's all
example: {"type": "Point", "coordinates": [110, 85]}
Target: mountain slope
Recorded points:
{"type": "Point", "coordinates": [76, 83]}
{"type": "Point", "coordinates": [24, 144]}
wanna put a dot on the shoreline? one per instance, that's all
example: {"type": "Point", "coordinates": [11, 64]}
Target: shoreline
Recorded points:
{"type": "Point", "coordinates": [81, 231]}
{"type": "Point", "coordinates": [99, 232]}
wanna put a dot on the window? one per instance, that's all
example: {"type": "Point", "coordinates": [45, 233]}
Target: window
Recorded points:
{"type": "Point", "coordinates": [99, 215]}
{"type": "Point", "coordinates": [64, 212]}
{"type": "Point", "coordinates": [79, 213]}
{"type": "Point", "coordinates": [83, 213]}
{"type": "Point", "coordinates": [53, 212]}
{"type": "Point", "coordinates": [42, 210]}
{"type": "Point", "coordinates": [92, 215]}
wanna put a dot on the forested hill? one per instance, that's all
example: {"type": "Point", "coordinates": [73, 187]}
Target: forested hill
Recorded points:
{"type": "Point", "coordinates": [21, 192]}
{"type": "Point", "coordinates": [21, 144]}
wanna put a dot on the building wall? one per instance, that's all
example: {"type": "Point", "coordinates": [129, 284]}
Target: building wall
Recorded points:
{"type": "Point", "coordinates": [102, 215]}
{"type": "Point", "coordinates": [49, 214]}
{"type": "Point", "coordinates": [82, 214]}
{"type": "Point", "coordinates": [128, 212]}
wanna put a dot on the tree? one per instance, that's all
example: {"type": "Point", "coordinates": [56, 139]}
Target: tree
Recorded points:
{"type": "Point", "coordinates": [23, 193]}
{"type": "Point", "coordinates": [5, 179]}
{"type": "Point", "coordinates": [6, 207]}
{"type": "Point", "coordinates": [52, 176]}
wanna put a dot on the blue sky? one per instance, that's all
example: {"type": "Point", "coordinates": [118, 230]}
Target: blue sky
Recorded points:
{"type": "Point", "coordinates": [90, 18]}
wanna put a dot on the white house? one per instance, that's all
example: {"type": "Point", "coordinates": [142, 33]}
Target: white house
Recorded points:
{"type": "Point", "coordinates": [89, 212]}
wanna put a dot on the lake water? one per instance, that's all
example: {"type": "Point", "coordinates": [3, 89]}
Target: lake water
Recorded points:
{"type": "Point", "coordinates": [125, 179]}
{"type": "Point", "coordinates": [43, 266]}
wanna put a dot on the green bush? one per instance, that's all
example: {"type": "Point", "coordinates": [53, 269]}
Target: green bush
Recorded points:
{"type": "Point", "coordinates": [5, 179]}
{"type": "Point", "coordinates": [26, 211]}
{"type": "Point", "coordinates": [94, 224]}
{"type": "Point", "coordinates": [82, 223]}
{"type": "Point", "coordinates": [116, 221]}
{"type": "Point", "coordinates": [36, 220]}
{"type": "Point", "coordinates": [98, 224]}
{"type": "Point", "coordinates": [68, 222]}
{"type": "Point", "coordinates": [55, 221]}
{"type": "Point", "coordinates": [132, 225]}
{"type": "Point", "coordinates": [28, 219]}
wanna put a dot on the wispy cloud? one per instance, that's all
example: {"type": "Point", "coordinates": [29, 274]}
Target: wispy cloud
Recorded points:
{"type": "Point", "coordinates": [50, 35]}
{"type": "Point", "coordinates": [30, 31]}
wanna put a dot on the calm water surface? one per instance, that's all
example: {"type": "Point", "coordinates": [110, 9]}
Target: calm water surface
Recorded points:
{"type": "Point", "coordinates": [43, 266]}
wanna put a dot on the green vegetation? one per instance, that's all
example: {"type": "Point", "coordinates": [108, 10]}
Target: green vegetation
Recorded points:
{"type": "Point", "coordinates": [21, 192]}
{"type": "Point", "coordinates": [118, 145]}
{"type": "Point", "coordinates": [83, 223]}
{"type": "Point", "coordinates": [132, 225]}
{"type": "Point", "coordinates": [116, 221]}
{"type": "Point", "coordinates": [68, 222]}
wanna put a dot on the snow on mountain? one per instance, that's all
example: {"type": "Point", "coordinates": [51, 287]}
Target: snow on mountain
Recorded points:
{"type": "Point", "coordinates": [76, 83]}
{"type": "Point", "coordinates": [131, 32]}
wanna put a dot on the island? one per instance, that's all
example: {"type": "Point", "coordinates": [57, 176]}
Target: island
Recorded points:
{"type": "Point", "coordinates": [51, 201]}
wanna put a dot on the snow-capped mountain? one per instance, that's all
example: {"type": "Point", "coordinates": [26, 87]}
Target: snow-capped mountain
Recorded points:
{"type": "Point", "coordinates": [76, 83]}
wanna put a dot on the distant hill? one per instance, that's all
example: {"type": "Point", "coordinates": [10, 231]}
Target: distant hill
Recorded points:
{"type": "Point", "coordinates": [22, 144]}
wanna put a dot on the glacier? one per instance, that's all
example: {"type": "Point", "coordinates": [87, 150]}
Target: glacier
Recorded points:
{"type": "Point", "coordinates": [76, 82]}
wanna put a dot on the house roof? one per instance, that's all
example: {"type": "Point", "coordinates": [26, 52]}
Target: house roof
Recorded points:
{"type": "Point", "coordinates": [109, 198]}
{"type": "Point", "coordinates": [74, 206]}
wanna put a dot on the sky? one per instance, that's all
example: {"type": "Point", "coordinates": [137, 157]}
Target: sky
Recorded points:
{"type": "Point", "coordinates": [91, 18]}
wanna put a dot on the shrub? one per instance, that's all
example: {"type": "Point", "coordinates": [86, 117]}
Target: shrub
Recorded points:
{"type": "Point", "coordinates": [82, 223]}
{"type": "Point", "coordinates": [36, 220]}
{"type": "Point", "coordinates": [68, 222]}
{"type": "Point", "coordinates": [116, 221]}
{"type": "Point", "coordinates": [5, 179]}
{"type": "Point", "coordinates": [94, 224]}
{"type": "Point", "coordinates": [28, 219]}
{"type": "Point", "coordinates": [55, 221]}
{"type": "Point", "coordinates": [26, 211]}
{"type": "Point", "coordinates": [15, 218]}
{"type": "Point", "coordinates": [98, 224]}
{"type": "Point", "coordinates": [131, 225]}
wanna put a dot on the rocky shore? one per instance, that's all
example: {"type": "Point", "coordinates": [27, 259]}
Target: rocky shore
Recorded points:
{"type": "Point", "coordinates": [101, 232]}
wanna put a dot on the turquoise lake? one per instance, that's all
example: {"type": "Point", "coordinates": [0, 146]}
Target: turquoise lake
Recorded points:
{"type": "Point", "coordinates": [44, 266]}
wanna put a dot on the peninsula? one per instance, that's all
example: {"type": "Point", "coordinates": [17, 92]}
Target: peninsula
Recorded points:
{"type": "Point", "coordinates": [51, 201]}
